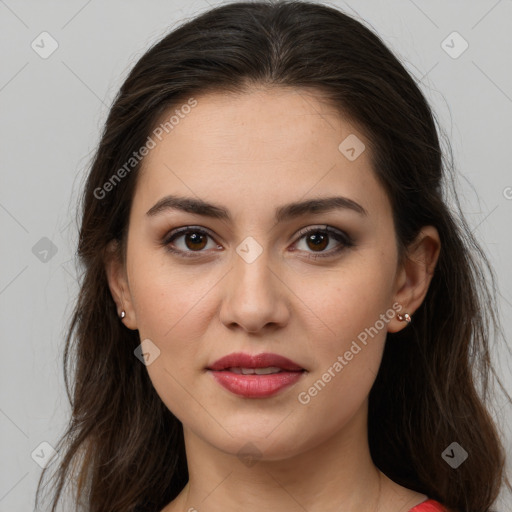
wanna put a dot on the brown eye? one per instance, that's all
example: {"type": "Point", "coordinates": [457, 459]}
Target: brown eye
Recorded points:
{"type": "Point", "coordinates": [193, 240]}
{"type": "Point", "coordinates": [319, 238]}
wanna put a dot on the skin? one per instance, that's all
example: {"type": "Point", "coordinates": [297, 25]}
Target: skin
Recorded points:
{"type": "Point", "coordinates": [250, 154]}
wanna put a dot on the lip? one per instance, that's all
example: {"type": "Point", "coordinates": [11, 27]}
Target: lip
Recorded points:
{"type": "Point", "coordinates": [242, 360]}
{"type": "Point", "coordinates": [255, 386]}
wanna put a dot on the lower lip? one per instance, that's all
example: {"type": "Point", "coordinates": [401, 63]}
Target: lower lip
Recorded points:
{"type": "Point", "coordinates": [255, 386]}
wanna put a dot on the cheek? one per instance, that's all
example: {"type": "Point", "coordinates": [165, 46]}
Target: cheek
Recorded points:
{"type": "Point", "coordinates": [169, 299]}
{"type": "Point", "coordinates": [347, 327]}
{"type": "Point", "coordinates": [347, 345]}
{"type": "Point", "coordinates": [345, 303]}
{"type": "Point", "coordinates": [174, 310]}
{"type": "Point", "coordinates": [170, 307]}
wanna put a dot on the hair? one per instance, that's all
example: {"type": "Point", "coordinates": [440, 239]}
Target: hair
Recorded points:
{"type": "Point", "coordinates": [123, 450]}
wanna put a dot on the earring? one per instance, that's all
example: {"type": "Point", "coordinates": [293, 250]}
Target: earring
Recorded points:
{"type": "Point", "coordinates": [123, 314]}
{"type": "Point", "coordinates": [405, 317]}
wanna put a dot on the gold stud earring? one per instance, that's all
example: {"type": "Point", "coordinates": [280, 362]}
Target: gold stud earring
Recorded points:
{"type": "Point", "coordinates": [405, 317]}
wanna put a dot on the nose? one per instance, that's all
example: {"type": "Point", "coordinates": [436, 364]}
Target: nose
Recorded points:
{"type": "Point", "coordinates": [255, 297]}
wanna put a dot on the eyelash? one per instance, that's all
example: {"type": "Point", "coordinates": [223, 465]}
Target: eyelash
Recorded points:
{"type": "Point", "coordinates": [339, 236]}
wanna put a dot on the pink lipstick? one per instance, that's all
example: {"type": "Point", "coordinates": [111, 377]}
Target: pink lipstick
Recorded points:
{"type": "Point", "coordinates": [255, 376]}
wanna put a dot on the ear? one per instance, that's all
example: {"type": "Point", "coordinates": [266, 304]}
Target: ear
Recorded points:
{"type": "Point", "coordinates": [415, 274]}
{"type": "Point", "coordinates": [115, 270]}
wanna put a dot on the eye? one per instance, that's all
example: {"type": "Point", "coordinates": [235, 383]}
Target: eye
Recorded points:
{"type": "Point", "coordinates": [318, 238]}
{"type": "Point", "coordinates": [194, 240]}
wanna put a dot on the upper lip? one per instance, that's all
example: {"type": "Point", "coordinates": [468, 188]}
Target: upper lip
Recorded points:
{"type": "Point", "coordinates": [265, 360]}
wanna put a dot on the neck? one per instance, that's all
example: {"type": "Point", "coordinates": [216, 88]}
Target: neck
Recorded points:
{"type": "Point", "coordinates": [335, 474]}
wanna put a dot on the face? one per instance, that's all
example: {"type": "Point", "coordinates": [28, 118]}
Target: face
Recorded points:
{"type": "Point", "coordinates": [317, 286]}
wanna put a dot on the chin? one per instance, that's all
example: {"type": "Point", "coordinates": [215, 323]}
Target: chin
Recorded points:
{"type": "Point", "coordinates": [249, 443]}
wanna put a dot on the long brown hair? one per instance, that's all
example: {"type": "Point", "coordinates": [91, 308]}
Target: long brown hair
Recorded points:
{"type": "Point", "coordinates": [123, 449]}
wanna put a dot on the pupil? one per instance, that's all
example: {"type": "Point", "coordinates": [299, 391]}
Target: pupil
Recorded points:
{"type": "Point", "coordinates": [318, 239]}
{"type": "Point", "coordinates": [195, 237]}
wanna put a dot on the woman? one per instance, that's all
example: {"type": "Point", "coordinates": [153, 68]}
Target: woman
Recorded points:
{"type": "Point", "coordinates": [279, 311]}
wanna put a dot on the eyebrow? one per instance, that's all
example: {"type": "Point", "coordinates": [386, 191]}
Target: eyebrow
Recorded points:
{"type": "Point", "coordinates": [283, 213]}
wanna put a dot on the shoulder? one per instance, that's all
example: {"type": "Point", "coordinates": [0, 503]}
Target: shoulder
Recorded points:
{"type": "Point", "coordinates": [429, 506]}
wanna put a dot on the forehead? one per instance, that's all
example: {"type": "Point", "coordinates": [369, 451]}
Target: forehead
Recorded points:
{"type": "Point", "coordinates": [251, 149]}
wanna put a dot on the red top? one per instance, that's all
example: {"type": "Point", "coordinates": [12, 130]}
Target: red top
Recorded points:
{"type": "Point", "coordinates": [428, 506]}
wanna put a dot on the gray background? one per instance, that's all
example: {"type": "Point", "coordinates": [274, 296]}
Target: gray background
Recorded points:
{"type": "Point", "coordinates": [52, 111]}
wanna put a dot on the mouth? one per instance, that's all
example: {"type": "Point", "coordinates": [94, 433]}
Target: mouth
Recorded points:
{"type": "Point", "coordinates": [255, 376]}
{"type": "Point", "coordinates": [270, 370]}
